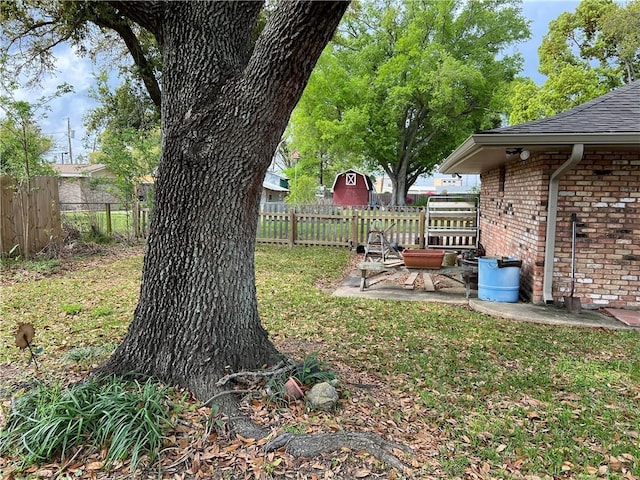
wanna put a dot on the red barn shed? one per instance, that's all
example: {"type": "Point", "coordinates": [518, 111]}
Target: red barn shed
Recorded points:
{"type": "Point", "coordinates": [351, 188]}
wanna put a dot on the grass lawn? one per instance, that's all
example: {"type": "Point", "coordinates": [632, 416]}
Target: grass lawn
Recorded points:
{"type": "Point", "coordinates": [474, 396]}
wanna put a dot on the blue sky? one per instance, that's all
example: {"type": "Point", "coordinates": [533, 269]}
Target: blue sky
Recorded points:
{"type": "Point", "coordinates": [79, 73]}
{"type": "Point", "coordinates": [540, 13]}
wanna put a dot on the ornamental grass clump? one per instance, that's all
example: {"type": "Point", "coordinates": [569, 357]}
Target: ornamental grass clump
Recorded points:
{"type": "Point", "coordinates": [126, 418]}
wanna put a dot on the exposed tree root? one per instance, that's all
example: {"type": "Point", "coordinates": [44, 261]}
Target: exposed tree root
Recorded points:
{"type": "Point", "coordinates": [312, 445]}
{"type": "Point", "coordinates": [284, 366]}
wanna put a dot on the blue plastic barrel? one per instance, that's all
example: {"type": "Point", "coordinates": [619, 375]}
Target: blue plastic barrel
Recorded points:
{"type": "Point", "coordinates": [499, 279]}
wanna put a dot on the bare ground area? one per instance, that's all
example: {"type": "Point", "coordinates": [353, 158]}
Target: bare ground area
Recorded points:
{"type": "Point", "coordinates": [69, 258]}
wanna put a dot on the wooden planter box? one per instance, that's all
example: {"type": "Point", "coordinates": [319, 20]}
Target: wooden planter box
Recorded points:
{"type": "Point", "coordinates": [426, 258]}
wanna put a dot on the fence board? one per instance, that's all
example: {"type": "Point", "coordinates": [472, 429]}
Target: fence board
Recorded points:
{"type": "Point", "coordinates": [8, 234]}
{"type": "Point", "coordinates": [37, 209]}
{"type": "Point", "coordinates": [321, 229]}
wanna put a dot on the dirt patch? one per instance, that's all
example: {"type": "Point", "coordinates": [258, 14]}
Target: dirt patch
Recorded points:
{"type": "Point", "coordinates": [70, 258]}
{"type": "Point", "coordinates": [9, 373]}
{"type": "Point", "coordinates": [298, 349]}
{"type": "Point", "coordinates": [352, 264]}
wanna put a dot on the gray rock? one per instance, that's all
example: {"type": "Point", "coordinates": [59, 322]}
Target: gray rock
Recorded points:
{"type": "Point", "coordinates": [323, 396]}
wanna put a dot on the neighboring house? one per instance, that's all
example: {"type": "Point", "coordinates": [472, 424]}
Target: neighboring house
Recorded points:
{"type": "Point", "coordinates": [82, 184]}
{"type": "Point", "coordinates": [351, 188]}
{"type": "Point", "coordinates": [274, 188]}
{"type": "Point", "coordinates": [435, 184]}
{"type": "Point", "coordinates": [534, 176]}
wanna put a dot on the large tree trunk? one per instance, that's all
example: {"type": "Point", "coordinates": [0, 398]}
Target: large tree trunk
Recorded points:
{"type": "Point", "coordinates": [224, 109]}
{"type": "Point", "coordinates": [399, 185]}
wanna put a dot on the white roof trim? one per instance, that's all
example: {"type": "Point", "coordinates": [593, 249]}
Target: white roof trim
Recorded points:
{"type": "Point", "coordinates": [475, 145]}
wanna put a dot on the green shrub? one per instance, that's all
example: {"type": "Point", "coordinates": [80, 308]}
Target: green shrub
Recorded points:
{"type": "Point", "coordinates": [95, 235]}
{"type": "Point", "coordinates": [126, 418]}
{"type": "Point", "coordinates": [311, 371]}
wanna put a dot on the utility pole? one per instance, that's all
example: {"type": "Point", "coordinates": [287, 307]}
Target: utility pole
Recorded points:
{"type": "Point", "coordinates": [69, 135]}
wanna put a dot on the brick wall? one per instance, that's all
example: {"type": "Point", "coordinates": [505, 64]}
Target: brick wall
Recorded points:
{"type": "Point", "coordinates": [76, 191]}
{"type": "Point", "coordinates": [603, 190]}
{"type": "Point", "coordinates": [512, 218]}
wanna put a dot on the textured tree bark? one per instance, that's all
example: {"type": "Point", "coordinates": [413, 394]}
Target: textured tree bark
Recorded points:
{"type": "Point", "coordinates": [224, 109]}
{"type": "Point", "coordinates": [398, 180]}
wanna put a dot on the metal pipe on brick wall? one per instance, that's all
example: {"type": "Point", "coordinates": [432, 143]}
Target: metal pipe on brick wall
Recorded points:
{"type": "Point", "coordinates": [576, 156]}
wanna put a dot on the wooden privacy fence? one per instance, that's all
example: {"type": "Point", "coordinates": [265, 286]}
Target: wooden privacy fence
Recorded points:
{"type": "Point", "coordinates": [29, 216]}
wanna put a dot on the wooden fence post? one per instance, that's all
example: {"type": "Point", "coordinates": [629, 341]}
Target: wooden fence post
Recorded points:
{"type": "Point", "coordinates": [421, 228]}
{"type": "Point", "coordinates": [143, 222]}
{"type": "Point", "coordinates": [354, 229]}
{"type": "Point", "coordinates": [107, 211]}
{"type": "Point", "coordinates": [292, 229]}
{"type": "Point", "coordinates": [135, 216]}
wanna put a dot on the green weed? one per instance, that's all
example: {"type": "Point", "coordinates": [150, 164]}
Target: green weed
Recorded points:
{"type": "Point", "coordinates": [102, 311]}
{"type": "Point", "coordinates": [88, 355]}
{"type": "Point", "coordinates": [71, 308]}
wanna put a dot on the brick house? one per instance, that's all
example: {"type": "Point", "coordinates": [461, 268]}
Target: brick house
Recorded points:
{"type": "Point", "coordinates": [83, 184]}
{"type": "Point", "coordinates": [534, 176]}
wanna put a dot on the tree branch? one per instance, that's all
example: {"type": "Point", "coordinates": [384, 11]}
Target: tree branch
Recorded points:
{"type": "Point", "coordinates": [147, 14]}
{"type": "Point", "coordinates": [290, 44]}
{"type": "Point", "coordinates": [277, 369]}
{"type": "Point", "coordinates": [132, 42]}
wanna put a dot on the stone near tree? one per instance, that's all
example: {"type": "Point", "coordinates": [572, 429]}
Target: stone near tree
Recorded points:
{"type": "Point", "coordinates": [323, 396]}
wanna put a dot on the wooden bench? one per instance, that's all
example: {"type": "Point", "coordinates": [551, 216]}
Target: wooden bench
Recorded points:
{"type": "Point", "coordinates": [467, 272]}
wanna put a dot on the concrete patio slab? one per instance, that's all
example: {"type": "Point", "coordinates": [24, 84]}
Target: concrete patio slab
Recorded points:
{"type": "Point", "coordinates": [520, 311]}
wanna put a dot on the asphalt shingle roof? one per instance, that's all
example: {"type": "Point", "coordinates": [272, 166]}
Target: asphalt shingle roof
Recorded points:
{"type": "Point", "coordinates": [615, 112]}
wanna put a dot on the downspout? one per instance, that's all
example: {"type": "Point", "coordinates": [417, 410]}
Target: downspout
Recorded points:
{"type": "Point", "coordinates": [552, 214]}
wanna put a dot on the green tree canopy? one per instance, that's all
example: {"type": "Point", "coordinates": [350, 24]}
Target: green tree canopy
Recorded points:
{"type": "Point", "coordinates": [127, 126]}
{"type": "Point", "coordinates": [585, 54]}
{"type": "Point", "coordinates": [405, 82]}
{"type": "Point", "coordinates": [23, 146]}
